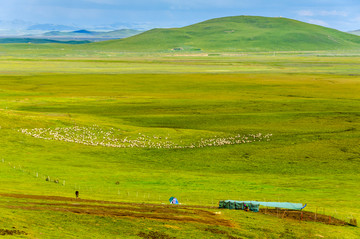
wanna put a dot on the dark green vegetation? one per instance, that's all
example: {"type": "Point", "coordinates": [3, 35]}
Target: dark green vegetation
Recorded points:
{"type": "Point", "coordinates": [309, 104]}
{"type": "Point", "coordinates": [234, 34]}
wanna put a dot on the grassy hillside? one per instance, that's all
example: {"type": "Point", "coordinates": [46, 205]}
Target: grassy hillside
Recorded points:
{"type": "Point", "coordinates": [240, 33]}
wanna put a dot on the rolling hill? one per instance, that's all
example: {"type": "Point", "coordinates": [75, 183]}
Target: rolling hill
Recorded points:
{"type": "Point", "coordinates": [239, 33]}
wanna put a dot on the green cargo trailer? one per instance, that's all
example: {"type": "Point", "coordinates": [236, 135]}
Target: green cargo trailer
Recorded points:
{"type": "Point", "coordinates": [239, 205]}
{"type": "Point", "coordinates": [254, 205]}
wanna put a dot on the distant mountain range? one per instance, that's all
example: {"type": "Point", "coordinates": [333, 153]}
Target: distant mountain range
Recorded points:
{"type": "Point", "coordinates": [11, 28]}
{"type": "Point", "coordinates": [72, 37]}
{"type": "Point", "coordinates": [356, 32]}
{"type": "Point", "coordinates": [38, 41]}
{"type": "Point", "coordinates": [90, 35]}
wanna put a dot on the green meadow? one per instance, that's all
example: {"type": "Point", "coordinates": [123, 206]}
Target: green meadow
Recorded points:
{"type": "Point", "coordinates": [140, 128]}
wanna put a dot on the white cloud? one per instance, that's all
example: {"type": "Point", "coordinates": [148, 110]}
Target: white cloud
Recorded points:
{"type": "Point", "coordinates": [201, 4]}
{"type": "Point", "coordinates": [333, 13]}
{"type": "Point", "coordinates": [356, 19]}
{"type": "Point", "coordinates": [103, 1]}
{"type": "Point", "coordinates": [323, 13]}
{"type": "Point", "coordinates": [306, 13]}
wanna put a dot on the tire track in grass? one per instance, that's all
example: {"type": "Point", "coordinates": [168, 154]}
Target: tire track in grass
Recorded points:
{"type": "Point", "coordinates": [187, 214]}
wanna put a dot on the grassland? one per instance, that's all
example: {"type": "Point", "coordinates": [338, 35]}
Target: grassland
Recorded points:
{"type": "Point", "coordinates": [310, 105]}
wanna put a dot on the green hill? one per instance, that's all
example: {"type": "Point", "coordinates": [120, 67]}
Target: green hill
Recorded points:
{"type": "Point", "coordinates": [239, 33]}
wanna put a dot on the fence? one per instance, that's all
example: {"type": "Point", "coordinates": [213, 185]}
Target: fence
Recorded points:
{"type": "Point", "coordinates": [62, 187]}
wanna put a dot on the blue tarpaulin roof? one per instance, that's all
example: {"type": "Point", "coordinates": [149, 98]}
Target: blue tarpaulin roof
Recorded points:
{"type": "Point", "coordinates": [173, 200]}
{"type": "Point", "coordinates": [287, 205]}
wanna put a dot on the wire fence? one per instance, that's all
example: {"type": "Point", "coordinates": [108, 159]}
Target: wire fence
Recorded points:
{"type": "Point", "coordinates": [61, 186]}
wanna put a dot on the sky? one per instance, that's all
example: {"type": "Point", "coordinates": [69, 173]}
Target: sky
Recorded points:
{"type": "Point", "coordinates": [146, 14]}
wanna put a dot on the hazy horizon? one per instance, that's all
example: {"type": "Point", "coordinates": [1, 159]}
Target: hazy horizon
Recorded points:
{"type": "Point", "coordinates": [17, 16]}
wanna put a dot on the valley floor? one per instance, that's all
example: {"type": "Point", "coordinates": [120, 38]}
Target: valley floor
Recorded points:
{"type": "Point", "coordinates": [130, 131]}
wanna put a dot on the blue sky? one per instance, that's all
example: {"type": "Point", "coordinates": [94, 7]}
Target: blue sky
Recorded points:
{"type": "Point", "coordinates": [340, 14]}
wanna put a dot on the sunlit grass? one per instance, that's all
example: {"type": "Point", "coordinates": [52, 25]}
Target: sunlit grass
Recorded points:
{"type": "Point", "coordinates": [310, 105]}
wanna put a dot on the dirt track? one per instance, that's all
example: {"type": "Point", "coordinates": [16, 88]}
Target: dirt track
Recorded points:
{"type": "Point", "coordinates": [119, 209]}
{"type": "Point", "coordinates": [197, 214]}
{"type": "Point", "coordinates": [68, 199]}
{"type": "Point", "coordinates": [304, 216]}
